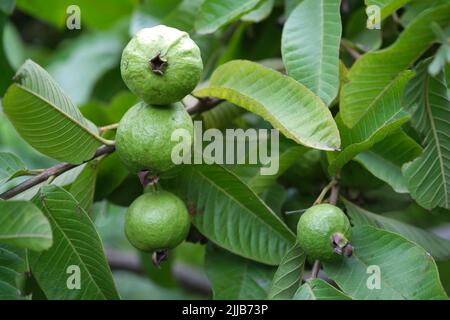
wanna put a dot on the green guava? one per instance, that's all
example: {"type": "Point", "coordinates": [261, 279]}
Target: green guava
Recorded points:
{"type": "Point", "coordinates": [144, 136]}
{"type": "Point", "coordinates": [161, 65]}
{"type": "Point", "coordinates": [157, 221]}
{"type": "Point", "coordinates": [323, 232]}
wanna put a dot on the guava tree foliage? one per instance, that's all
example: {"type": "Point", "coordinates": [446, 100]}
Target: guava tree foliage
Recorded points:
{"type": "Point", "coordinates": [360, 98]}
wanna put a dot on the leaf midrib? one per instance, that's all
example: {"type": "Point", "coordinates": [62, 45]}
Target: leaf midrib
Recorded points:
{"type": "Point", "coordinates": [64, 114]}
{"type": "Point", "coordinates": [88, 271]}
{"type": "Point", "coordinates": [436, 138]}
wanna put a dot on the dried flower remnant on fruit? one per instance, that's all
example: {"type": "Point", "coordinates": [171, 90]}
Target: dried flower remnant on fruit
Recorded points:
{"type": "Point", "coordinates": [158, 64]}
{"type": "Point", "coordinates": [159, 256]}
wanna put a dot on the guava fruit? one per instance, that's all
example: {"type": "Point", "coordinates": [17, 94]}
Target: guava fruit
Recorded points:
{"type": "Point", "coordinates": [143, 139]}
{"type": "Point", "coordinates": [161, 65]}
{"type": "Point", "coordinates": [157, 221]}
{"type": "Point", "coordinates": [323, 232]}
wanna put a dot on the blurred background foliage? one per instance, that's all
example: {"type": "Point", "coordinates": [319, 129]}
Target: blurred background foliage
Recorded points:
{"type": "Point", "coordinates": [85, 63]}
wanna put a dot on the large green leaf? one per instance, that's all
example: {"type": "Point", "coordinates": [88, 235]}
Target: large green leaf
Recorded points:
{"type": "Point", "coordinates": [438, 247]}
{"type": "Point", "coordinates": [406, 271]}
{"type": "Point", "coordinates": [236, 278]}
{"type": "Point", "coordinates": [387, 7]}
{"type": "Point", "coordinates": [310, 46]}
{"type": "Point", "coordinates": [77, 244]}
{"type": "Point", "coordinates": [10, 166]}
{"type": "Point", "coordinates": [382, 120]}
{"type": "Point", "coordinates": [22, 224]}
{"type": "Point", "coordinates": [214, 14]}
{"type": "Point", "coordinates": [12, 267]}
{"type": "Point", "coordinates": [289, 275]}
{"type": "Point", "coordinates": [317, 289]}
{"type": "Point", "coordinates": [288, 105]}
{"type": "Point", "coordinates": [385, 159]}
{"type": "Point", "coordinates": [47, 119]}
{"type": "Point", "coordinates": [428, 177]}
{"type": "Point", "coordinates": [231, 215]}
{"type": "Point", "coordinates": [373, 74]}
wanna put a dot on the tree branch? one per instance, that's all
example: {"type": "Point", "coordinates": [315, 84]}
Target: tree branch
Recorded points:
{"type": "Point", "coordinates": [50, 172]}
{"type": "Point", "coordinates": [352, 52]}
{"type": "Point", "coordinates": [202, 105]}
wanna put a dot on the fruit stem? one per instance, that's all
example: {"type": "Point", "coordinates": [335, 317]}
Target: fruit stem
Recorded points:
{"type": "Point", "coordinates": [325, 190]}
{"type": "Point", "coordinates": [315, 269]}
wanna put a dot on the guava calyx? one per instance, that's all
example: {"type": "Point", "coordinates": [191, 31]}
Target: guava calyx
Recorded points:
{"type": "Point", "coordinates": [341, 244]}
{"type": "Point", "coordinates": [158, 64]}
{"type": "Point", "coordinates": [159, 256]}
{"type": "Point", "coordinates": [147, 179]}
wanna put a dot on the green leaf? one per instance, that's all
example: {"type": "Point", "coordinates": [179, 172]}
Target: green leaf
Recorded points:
{"type": "Point", "coordinates": [184, 15]}
{"type": "Point", "coordinates": [86, 59]}
{"type": "Point", "coordinates": [275, 196]}
{"type": "Point", "coordinates": [214, 14]}
{"type": "Point", "coordinates": [261, 11]}
{"type": "Point", "coordinates": [47, 119]}
{"type": "Point", "coordinates": [83, 188]}
{"type": "Point", "coordinates": [236, 278]}
{"type": "Point", "coordinates": [438, 247]}
{"type": "Point", "coordinates": [221, 116]}
{"type": "Point", "coordinates": [289, 275]}
{"type": "Point", "coordinates": [310, 46]}
{"type": "Point", "coordinates": [317, 289]}
{"type": "Point", "coordinates": [384, 119]}
{"type": "Point", "coordinates": [258, 182]}
{"type": "Point", "coordinates": [385, 159]}
{"type": "Point", "coordinates": [12, 268]}
{"type": "Point", "coordinates": [387, 7]}
{"type": "Point", "coordinates": [406, 271]}
{"type": "Point", "coordinates": [230, 214]}
{"type": "Point", "coordinates": [22, 224]}
{"type": "Point", "coordinates": [375, 73]}
{"type": "Point", "coordinates": [289, 106]}
{"type": "Point", "coordinates": [77, 244]}
{"type": "Point", "coordinates": [10, 166]}
{"type": "Point", "coordinates": [356, 31]}
{"type": "Point", "coordinates": [428, 177]}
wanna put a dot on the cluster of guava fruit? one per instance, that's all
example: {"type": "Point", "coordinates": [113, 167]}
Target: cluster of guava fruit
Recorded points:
{"type": "Point", "coordinates": [160, 65]}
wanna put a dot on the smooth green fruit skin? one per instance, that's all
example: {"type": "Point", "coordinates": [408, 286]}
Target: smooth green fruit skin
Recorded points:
{"type": "Point", "coordinates": [143, 139]}
{"type": "Point", "coordinates": [315, 228]}
{"type": "Point", "coordinates": [181, 74]}
{"type": "Point", "coordinates": [157, 220]}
